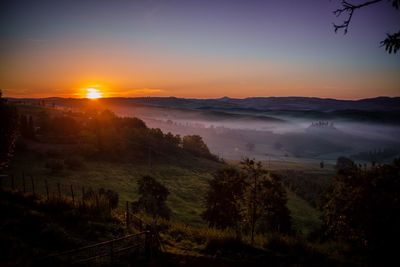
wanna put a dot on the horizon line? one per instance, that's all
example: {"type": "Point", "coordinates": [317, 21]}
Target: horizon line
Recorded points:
{"type": "Point", "coordinates": [201, 98]}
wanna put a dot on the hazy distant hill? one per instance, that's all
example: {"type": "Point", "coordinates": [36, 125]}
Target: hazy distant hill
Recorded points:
{"type": "Point", "coordinates": [276, 103]}
{"type": "Point", "coordinates": [379, 109]}
{"type": "Point", "coordinates": [256, 103]}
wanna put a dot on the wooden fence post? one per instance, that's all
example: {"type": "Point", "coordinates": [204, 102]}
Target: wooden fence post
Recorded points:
{"type": "Point", "coordinates": [59, 191]}
{"type": "Point", "coordinates": [12, 182]}
{"type": "Point", "coordinates": [47, 189]}
{"type": "Point", "coordinates": [127, 213]}
{"type": "Point", "coordinates": [72, 195]}
{"type": "Point", "coordinates": [112, 253]}
{"type": "Point", "coordinates": [83, 196]}
{"type": "Point", "coordinates": [23, 182]}
{"type": "Point", "coordinates": [33, 185]}
{"type": "Point", "coordinates": [96, 196]}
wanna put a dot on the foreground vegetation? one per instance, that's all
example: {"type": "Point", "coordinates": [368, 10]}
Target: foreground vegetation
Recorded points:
{"type": "Point", "coordinates": [255, 216]}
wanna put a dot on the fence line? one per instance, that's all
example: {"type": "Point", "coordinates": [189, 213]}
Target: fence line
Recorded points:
{"type": "Point", "coordinates": [67, 192]}
{"type": "Point", "coordinates": [144, 240]}
{"type": "Point", "coordinates": [101, 251]}
{"type": "Point", "coordinates": [55, 190]}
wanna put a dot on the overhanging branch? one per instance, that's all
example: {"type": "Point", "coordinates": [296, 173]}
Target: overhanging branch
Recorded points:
{"type": "Point", "coordinates": [349, 8]}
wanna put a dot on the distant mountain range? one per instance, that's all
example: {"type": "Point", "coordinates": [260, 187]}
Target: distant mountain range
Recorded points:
{"type": "Point", "coordinates": [274, 103]}
{"type": "Point", "coordinates": [253, 103]}
{"type": "Point", "coordinates": [378, 110]}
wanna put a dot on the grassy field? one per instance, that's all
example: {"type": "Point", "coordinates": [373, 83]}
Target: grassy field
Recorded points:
{"type": "Point", "coordinates": [186, 181]}
{"type": "Point", "coordinates": [187, 187]}
{"type": "Point", "coordinates": [305, 217]}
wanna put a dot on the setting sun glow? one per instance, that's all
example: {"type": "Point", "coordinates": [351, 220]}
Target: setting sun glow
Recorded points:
{"type": "Point", "coordinates": [93, 93]}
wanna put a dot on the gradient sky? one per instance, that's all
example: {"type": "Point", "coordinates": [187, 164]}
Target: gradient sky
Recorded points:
{"type": "Point", "coordinates": [201, 49]}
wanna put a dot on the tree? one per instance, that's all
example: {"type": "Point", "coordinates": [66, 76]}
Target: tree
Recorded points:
{"type": "Point", "coordinates": [195, 145]}
{"type": "Point", "coordinates": [253, 200]}
{"type": "Point", "coordinates": [152, 197]}
{"type": "Point", "coordinates": [265, 198]}
{"type": "Point", "coordinates": [276, 215]}
{"type": "Point", "coordinates": [243, 198]}
{"type": "Point", "coordinates": [8, 131]}
{"type": "Point", "coordinates": [392, 40]}
{"type": "Point", "coordinates": [222, 199]}
{"type": "Point", "coordinates": [64, 126]}
{"type": "Point", "coordinates": [363, 207]}
{"type": "Point", "coordinates": [345, 166]}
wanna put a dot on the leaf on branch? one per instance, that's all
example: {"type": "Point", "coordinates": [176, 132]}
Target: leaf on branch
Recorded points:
{"type": "Point", "coordinates": [392, 42]}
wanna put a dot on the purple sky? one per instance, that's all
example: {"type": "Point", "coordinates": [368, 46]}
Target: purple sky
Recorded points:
{"type": "Point", "coordinates": [195, 48]}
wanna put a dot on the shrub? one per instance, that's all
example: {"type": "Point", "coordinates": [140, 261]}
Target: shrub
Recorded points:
{"type": "Point", "coordinates": [53, 153]}
{"type": "Point", "coordinates": [287, 245]}
{"type": "Point", "coordinates": [112, 197]}
{"type": "Point", "coordinates": [74, 163]}
{"type": "Point", "coordinates": [55, 165]}
{"type": "Point", "coordinates": [230, 246]}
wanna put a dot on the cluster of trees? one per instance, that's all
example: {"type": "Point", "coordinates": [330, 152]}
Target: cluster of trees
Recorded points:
{"type": "Point", "coordinates": [247, 199]}
{"type": "Point", "coordinates": [363, 207]}
{"type": "Point", "coordinates": [102, 134]}
{"type": "Point", "coordinates": [376, 155]}
{"type": "Point", "coordinates": [26, 126]}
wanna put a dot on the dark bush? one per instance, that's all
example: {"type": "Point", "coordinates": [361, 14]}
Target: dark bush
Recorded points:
{"type": "Point", "coordinates": [228, 246]}
{"type": "Point", "coordinates": [111, 195]}
{"type": "Point", "coordinates": [288, 245]}
{"type": "Point", "coordinates": [55, 154]}
{"type": "Point", "coordinates": [55, 165]}
{"type": "Point", "coordinates": [74, 163]}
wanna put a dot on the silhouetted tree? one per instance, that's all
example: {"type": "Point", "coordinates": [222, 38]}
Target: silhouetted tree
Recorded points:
{"type": "Point", "coordinates": [253, 199]}
{"type": "Point", "coordinates": [243, 198]}
{"type": "Point", "coordinates": [363, 207]}
{"type": "Point", "coordinates": [392, 40]}
{"type": "Point", "coordinates": [264, 198]}
{"type": "Point", "coordinates": [64, 126]}
{"type": "Point", "coordinates": [222, 199]}
{"type": "Point", "coordinates": [276, 215]}
{"type": "Point", "coordinates": [31, 128]}
{"type": "Point", "coordinates": [195, 145]}
{"type": "Point", "coordinates": [8, 131]}
{"type": "Point", "coordinates": [152, 197]}
{"type": "Point", "coordinates": [27, 128]}
{"type": "Point", "coordinates": [345, 166]}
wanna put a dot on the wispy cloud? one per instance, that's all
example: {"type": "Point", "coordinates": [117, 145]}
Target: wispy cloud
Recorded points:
{"type": "Point", "coordinates": [137, 92]}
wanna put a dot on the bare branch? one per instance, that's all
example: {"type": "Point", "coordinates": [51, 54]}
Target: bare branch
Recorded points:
{"type": "Point", "coordinates": [349, 8]}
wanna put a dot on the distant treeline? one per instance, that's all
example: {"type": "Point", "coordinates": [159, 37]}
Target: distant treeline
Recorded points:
{"type": "Point", "coordinates": [376, 155]}
{"type": "Point", "coordinates": [103, 135]}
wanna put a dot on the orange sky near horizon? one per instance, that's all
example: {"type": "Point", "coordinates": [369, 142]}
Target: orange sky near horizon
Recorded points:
{"type": "Point", "coordinates": [194, 49]}
{"type": "Point", "coordinates": [66, 76]}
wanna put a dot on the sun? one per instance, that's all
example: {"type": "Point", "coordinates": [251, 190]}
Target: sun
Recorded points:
{"type": "Point", "coordinates": [93, 93]}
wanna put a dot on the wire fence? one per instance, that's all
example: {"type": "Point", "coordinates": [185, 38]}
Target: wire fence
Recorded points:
{"type": "Point", "coordinates": [146, 240]}
{"type": "Point", "coordinates": [109, 251]}
{"type": "Point", "coordinates": [53, 190]}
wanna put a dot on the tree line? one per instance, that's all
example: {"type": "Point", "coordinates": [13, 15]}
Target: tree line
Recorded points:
{"type": "Point", "coordinates": [103, 135]}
